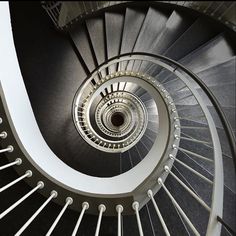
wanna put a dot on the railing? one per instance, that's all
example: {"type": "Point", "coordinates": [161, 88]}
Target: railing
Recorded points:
{"type": "Point", "coordinates": [131, 63]}
{"type": "Point", "coordinates": [65, 13]}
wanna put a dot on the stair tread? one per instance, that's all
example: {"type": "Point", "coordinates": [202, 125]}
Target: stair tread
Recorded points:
{"type": "Point", "coordinates": [225, 99]}
{"type": "Point", "coordinates": [97, 34]}
{"type": "Point", "coordinates": [213, 52]}
{"type": "Point", "coordinates": [133, 20]}
{"type": "Point", "coordinates": [203, 188]}
{"type": "Point", "coordinates": [230, 114]}
{"type": "Point", "coordinates": [170, 214]}
{"type": "Point", "coordinates": [152, 26]}
{"type": "Point", "coordinates": [80, 38]}
{"type": "Point", "coordinates": [229, 208]}
{"type": "Point", "coordinates": [114, 28]}
{"type": "Point", "coordinates": [126, 161]}
{"type": "Point", "coordinates": [213, 76]}
{"type": "Point", "coordinates": [175, 26]}
{"type": "Point", "coordinates": [195, 36]}
{"type": "Point", "coordinates": [194, 211]}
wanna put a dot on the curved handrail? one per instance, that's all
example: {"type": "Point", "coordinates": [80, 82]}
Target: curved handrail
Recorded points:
{"type": "Point", "coordinates": [211, 96]}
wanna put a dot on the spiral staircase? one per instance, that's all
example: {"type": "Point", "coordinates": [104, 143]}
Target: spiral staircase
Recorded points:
{"type": "Point", "coordinates": [121, 121]}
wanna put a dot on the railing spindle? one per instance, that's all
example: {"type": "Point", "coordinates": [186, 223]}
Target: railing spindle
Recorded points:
{"type": "Point", "coordinates": [18, 162]}
{"type": "Point", "coordinates": [28, 173]}
{"type": "Point", "coordinates": [150, 195]}
{"type": "Point", "coordinates": [69, 201]}
{"type": "Point", "coordinates": [9, 209]}
{"type": "Point", "coordinates": [85, 206]}
{"type": "Point", "coordinates": [22, 229]}
{"type": "Point", "coordinates": [135, 206]}
{"type": "Point", "coordinates": [101, 208]}
{"type": "Point", "coordinates": [119, 209]}
{"type": "Point", "coordinates": [194, 195]}
{"type": "Point", "coordinates": [174, 202]}
{"type": "Point", "coordinates": [8, 149]}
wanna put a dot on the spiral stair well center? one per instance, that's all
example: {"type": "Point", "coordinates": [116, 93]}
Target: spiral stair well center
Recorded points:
{"type": "Point", "coordinates": [117, 118]}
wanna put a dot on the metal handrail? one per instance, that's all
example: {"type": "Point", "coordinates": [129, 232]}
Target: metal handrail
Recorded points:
{"type": "Point", "coordinates": [128, 54]}
{"type": "Point", "coordinates": [113, 60]}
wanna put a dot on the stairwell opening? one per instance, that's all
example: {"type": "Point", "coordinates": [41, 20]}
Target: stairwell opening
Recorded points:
{"type": "Point", "coordinates": [117, 119]}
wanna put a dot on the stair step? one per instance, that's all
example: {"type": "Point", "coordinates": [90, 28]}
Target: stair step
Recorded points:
{"type": "Point", "coordinates": [202, 187]}
{"type": "Point", "coordinates": [225, 99]}
{"type": "Point", "coordinates": [213, 76]}
{"type": "Point", "coordinates": [133, 20]}
{"type": "Point", "coordinates": [151, 28]}
{"type": "Point", "coordinates": [80, 38]}
{"type": "Point", "coordinates": [170, 214]}
{"type": "Point", "coordinates": [126, 161]}
{"type": "Point", "coordinates": [195, 36]}
{"type": "Point", "coordinates": [130, 225]}
{"type": "Point", "coordinates": [229, 208]}
{"type": "Point", "coordinates": [142, 149]}
{"type": "Point", "coordinates": [148, 221]}
{"type": "Point", "coordinates": [194, 211]}
{"type": "Point", "coordinates": [175, 26]}
{"type": "Point", "coordinates": [230, 114]}
{"type": "Point", "coordinates": [134, 155]}
{"type": "Point", "coordinates": [146, 97]}
{"type": "Point", "coordinates": [114, 28]}
{"type": "Point", "coordinates": [96, 29]}
{"type": "Point", "coordinates": [211, 53]}
{"type": "Point", "coordinates": [151, 134]}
